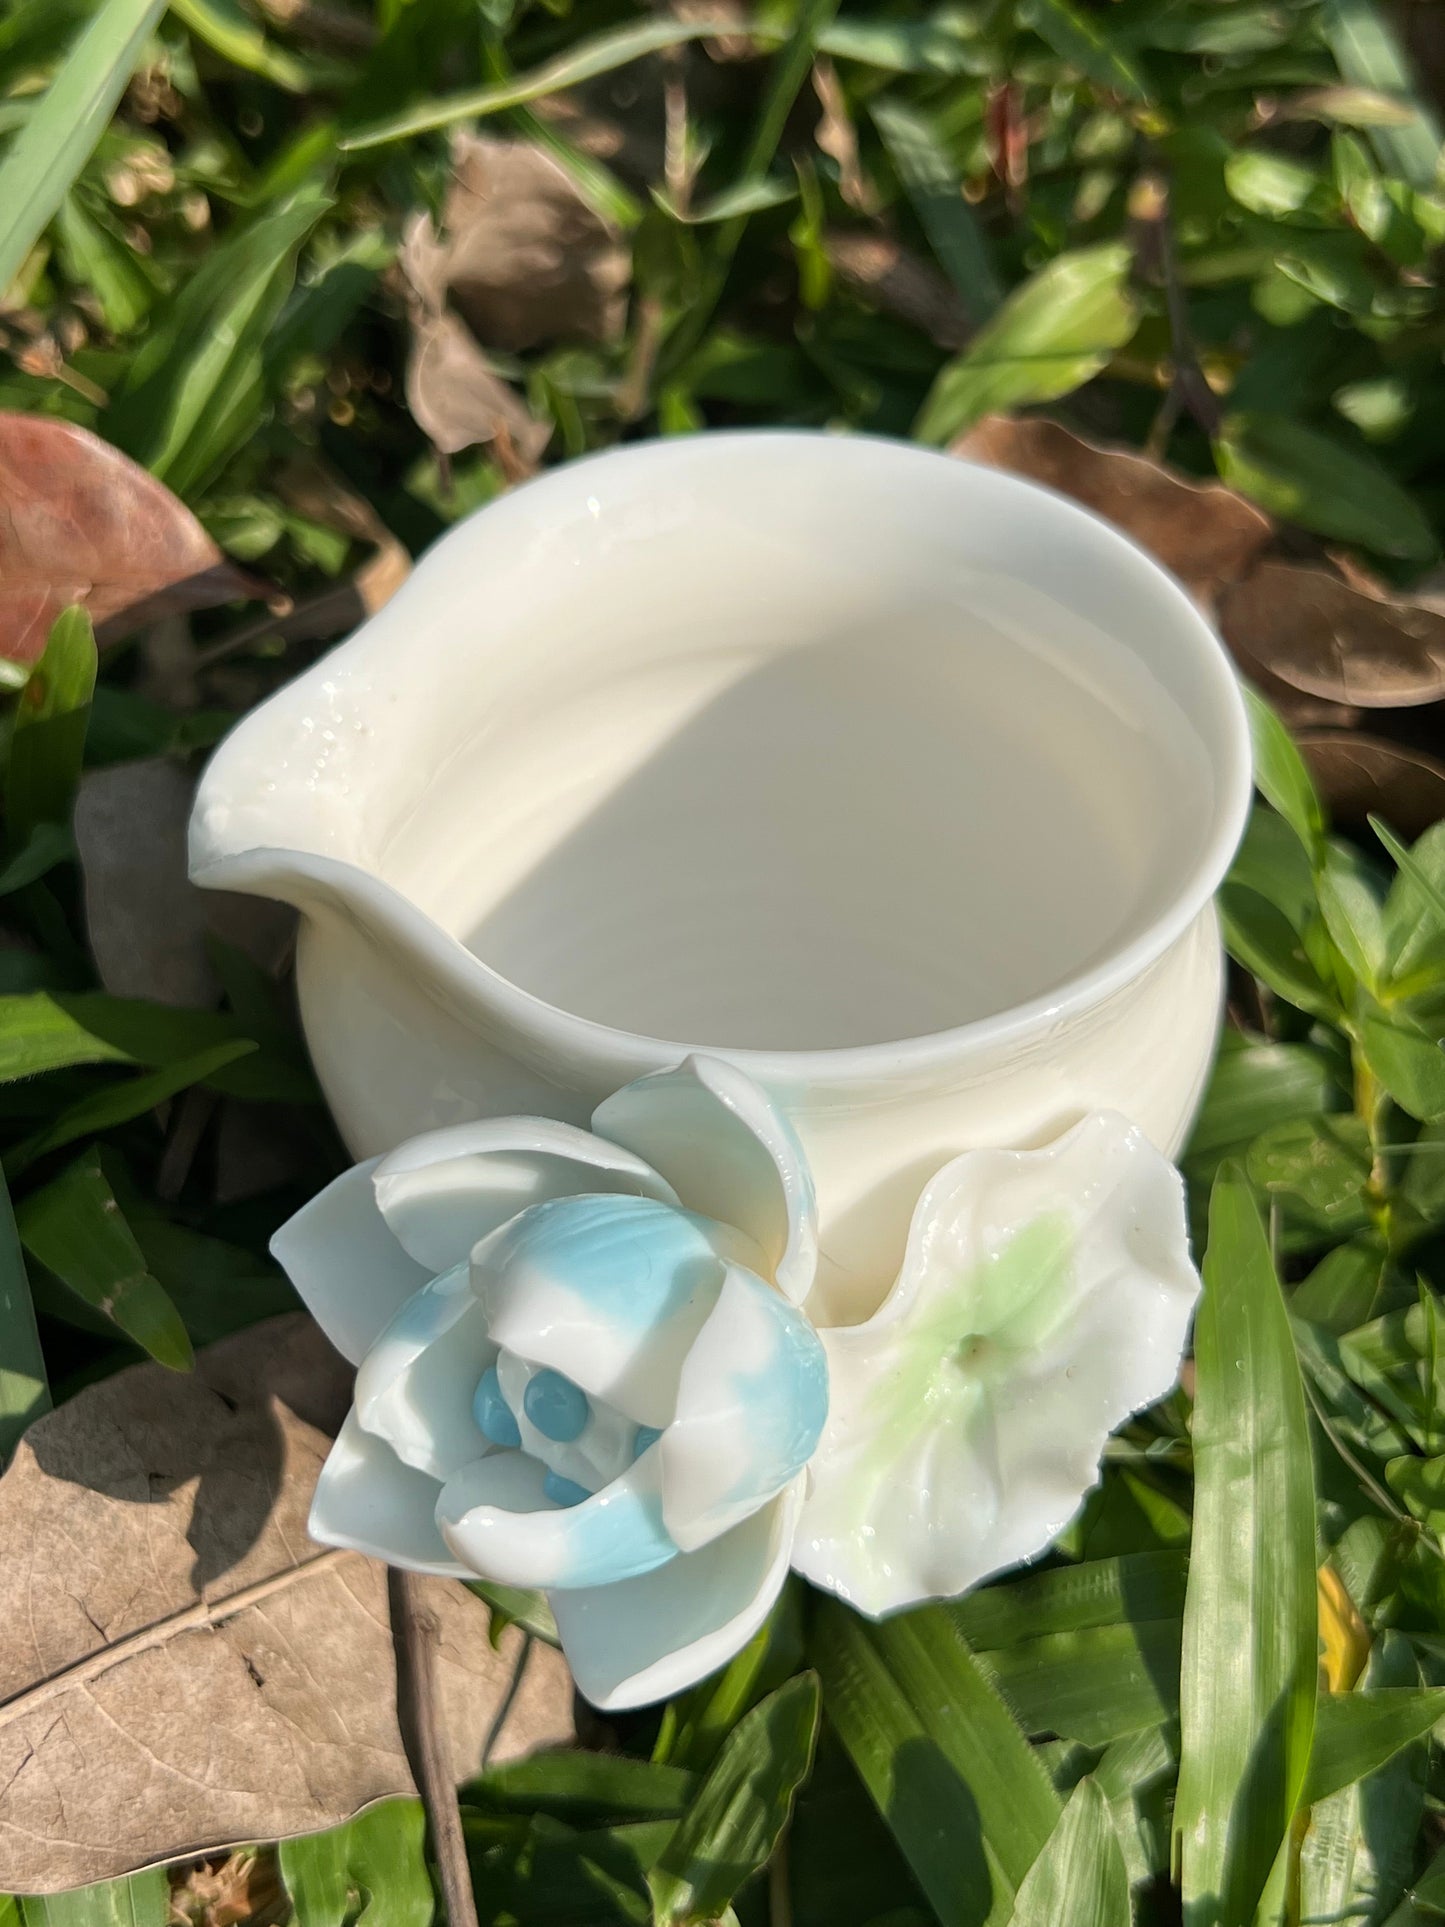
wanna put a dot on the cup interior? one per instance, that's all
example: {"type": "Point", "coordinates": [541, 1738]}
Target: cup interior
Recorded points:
{"type": "Point", "coordinates": [787, 742]}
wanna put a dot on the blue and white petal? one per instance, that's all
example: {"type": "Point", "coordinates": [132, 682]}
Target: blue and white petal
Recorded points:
{"type": "Point", "coordinates": [609, 1291]}
{"type": "Point", "coordinates": [352, 1274]}
{"type": "Point", "coordinates": [442, 1192]}
{"type": "Point", "coordinates": [498, 1517]}
{"type": "Point", "coordinates": [1044, 1297]}
{"type": "Point", "coordinates": [647, 1638]}
{"type": "Point", "coordinates": [751, 1403]}
{"type": "Point", "coordinates": [368, 1500]}
{"type": "Point", "coordinates": [417, 1385]}
{"type": "Point", "coordinates": [729, 1153]}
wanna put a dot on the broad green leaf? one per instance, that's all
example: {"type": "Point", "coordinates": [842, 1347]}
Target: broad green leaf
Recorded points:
{"type": "Point", "coordinates": [1363, 43]}
{"type": "Point", "coordinates": [1281, 774]}
{"type": "Point", "coordinates": [196, 389]}
{"type": "Point", "coordinates": [1271, 184]}
{"type": "Point", "coordinates": [1320, 1163]}
{"type": "Point", "coordinates": [1274, 859]}
{"type": "Point", "coordinates": [53, 1030]}
{"type": "Point", "coordinates": [1313, 478]}
{"type": "Point", "coordinates": [1247, 1681]}
{"type": "Point", "coordinates": [1047, 339]}
{"type": "Point", "coordinates": [1355, 1733]}
{"type": "Point", "coordinates": [235, 35]}
{"type": "Point", "coordinates": [949, 44]}
{"type": "Point", "coordinates": [513, 1607]}
{"type": "Point", "coordinates": [99, 260]}
{"type": "Point", "coordinates": [1095, 1684]}
{"type": "Point", "coordinates": [121, 1102]}
{"type": "Point", "coordinates": [1083, 41]}
{"type": "Point", "coordinates": [1414, 919]}
{"type": "Point", "coordinates": [74, 1226]}
{"type": "Point", "coordinates": [1261, 938]}
{"type": "Point", "coordinates": [1343, 1290]}
{"type": "Point", "coordinates": [930, 180]}
{"type": "Point", "coordinates": [139, 1900]}
{"type": "Point", "coordinates": [52, 714]}
{"type": "Point", "coordinates": [46, 845]}
{"type": "Point", "coordinates": [1257, 1086]}
{"type": "Point", "coordinates": [1353, 912]}
{"type": "Point", "coordinates": [371, 1872]}
{"type": "Point", "coordinates": [965, 1795]}
{"type": "Point", "coordinates": [24, 1388]}
{"type": "Point", "coordinates": [695, 1724]}
{"type": "Point", "coordinates": [601, 53]}
{"type": "Point", "coordinates": [1071, 1598]}
{"type": "Point", "coordinates": [738, 1814]}
{"type": "Point", "coordinates": [585, 1788]}
{"type": "Point", "coordinates": [1408, 1057]}
{"type": "Point", "coordinates": [1080, 1875]}
{"type": "Point", "coordinates": [61, 131]}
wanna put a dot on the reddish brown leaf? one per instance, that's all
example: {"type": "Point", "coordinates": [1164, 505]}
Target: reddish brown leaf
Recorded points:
{"type": "Point", "coordinates": [1364, 775]}
{"type": "Point", "coordinates": [80, 522]}
{"type": "Point", "coordinates": [1205, 533]}
{"type": "Point", "coordinates": [1336, 641]}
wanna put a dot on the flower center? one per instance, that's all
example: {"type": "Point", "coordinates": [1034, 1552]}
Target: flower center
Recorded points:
{"type": "Point", "coordinates": [582, 1445]}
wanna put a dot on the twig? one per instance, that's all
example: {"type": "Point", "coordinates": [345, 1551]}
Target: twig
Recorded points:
{"type": "Point", "coordinates": [423, 1735]}
{"type": "Point", "coordinates": [1151, 206]}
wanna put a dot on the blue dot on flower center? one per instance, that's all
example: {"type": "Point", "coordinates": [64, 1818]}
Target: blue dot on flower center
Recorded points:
{"type": "Point", "coordinates": [493, 1414]}
{"type": "Point", "coordinates": [556, 1406]}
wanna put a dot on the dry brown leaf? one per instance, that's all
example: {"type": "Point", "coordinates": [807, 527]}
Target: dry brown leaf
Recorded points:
{"type": "Point", "coordinates": [880, 269]}
{"type": "Point", "coordinates": [458, 398]}
{"type": "Point", "coordinates": [1364, 775]}
{"type": "Point", "coordinates": [245, 1887]}
{"type": "Point", "coordinates": [80, 522]}
{"type": "Point", "coordinates": [1334, 640]}
{"type": "Point", "coordinates": [180, 1667]}
{"type": "Point", "coordinates": [837, 137]}
{"type": "Point", "coordinates": [521, 256]}
{"type": "Point", "coordinates": [1203, 532]}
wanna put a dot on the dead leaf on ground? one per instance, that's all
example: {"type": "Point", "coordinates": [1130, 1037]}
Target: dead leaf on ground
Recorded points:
{"type": "Point", "coordinates": [1340, 642]}
{"type": "Point", "coordinates": [521, 256]}
{"type": "Point", "coordinates": [80, 522]}
{"type": "Point", "coordinates": [180, 1667]}
{"type": "Point", "coordinates": [1364, 775]}
{"type": "Point", "coordinates": [1201, 531]}
{"type": "Point", "coordinates": [458, 398]}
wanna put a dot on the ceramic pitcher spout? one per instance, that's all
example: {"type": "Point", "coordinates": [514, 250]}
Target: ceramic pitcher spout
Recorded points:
{"type": "Point", "coordinates": [900, 783]}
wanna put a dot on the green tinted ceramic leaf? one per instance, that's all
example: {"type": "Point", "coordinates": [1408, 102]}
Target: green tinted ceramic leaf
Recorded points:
{"type": "Point", "coordinates": [61, 131]}
{"type": "Point", "coordinates": [1321, 482]}
{"type": "Point", "coordinates": [24, 1389]}
{"type": "Point", "coordinates": [737, 1815]}
{"type": "Point", "coordinates": [966, 1797]}
{"type": "Point", "coordinates": [52, 713]}
{"type": "Point", "coordinates": [372, 1872]}
{"type": "Point", "coordinates": [1247, 1686]}
{"type": "Point", "coordinates": [1080, 1875]}
{"type": "Point", "coordinates": [140, 1900]}
{"type": "Point", "coordinates": [74, 1226]}
{"type": "Point", "coordinates": [1047, 339]}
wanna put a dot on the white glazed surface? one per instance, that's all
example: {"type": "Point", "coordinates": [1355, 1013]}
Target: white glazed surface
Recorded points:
{"type": "Point", "coordinates": [900, 783]}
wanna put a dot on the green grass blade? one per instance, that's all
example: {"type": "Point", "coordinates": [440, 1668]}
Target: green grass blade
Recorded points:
{"type": "Point", "coordinates": [738, 1814]}
{"type": "Point", "coordinates": [948, 1768]}
{"type": "Point", "coordinates": [139, 1900]}
{"type": "Point", "coordinates": [75, 1228]}
{"type": "Point", "coordinates": [121, 1102]}
{"type": "Point", "coordinates": [231, 32]}
{"type": "Point", "coordinates": [24, 1388]}
{"type": "Point", "coordinates": [60, 135]}
{"type": "Point", "coordinates": [1247, 1683]}
{"type": "Point", "coordinates": [921, 163]}
{"type": "Point", "coordinates": [1080, 1875]}
{"type": "Point", "coordinates": [1357, 1733]}
{"type": "Point", "coordinates": [1367, 53]}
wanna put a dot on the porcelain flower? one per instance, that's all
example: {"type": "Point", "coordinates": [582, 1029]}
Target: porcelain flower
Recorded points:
{"type": "Point", "coordinates": [585, 1365]}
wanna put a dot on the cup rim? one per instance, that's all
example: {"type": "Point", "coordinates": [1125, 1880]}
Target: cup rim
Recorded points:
{"type": "Point", "coordinates": [559, 1033]}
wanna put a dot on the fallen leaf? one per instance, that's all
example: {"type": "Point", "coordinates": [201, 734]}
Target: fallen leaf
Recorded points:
{"type": "Point", "coordinates": [1365, 775]}
{"type": "Point", "coordinates": [1203, 532]}
{"type": "Point", "coordinates": [458, 398]}
{"type": "Point", "coordinates": [1336, 640]}
{"type": "Point", "coordinates": [520, 256]}
{"type": "Point", "coordinates": [181, 1668]}
{"type": "Point", "coordinates": [80, 522]}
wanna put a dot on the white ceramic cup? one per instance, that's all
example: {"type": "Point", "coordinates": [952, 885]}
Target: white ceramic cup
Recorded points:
{"type": "Point", "coordinates": [900, 782]}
